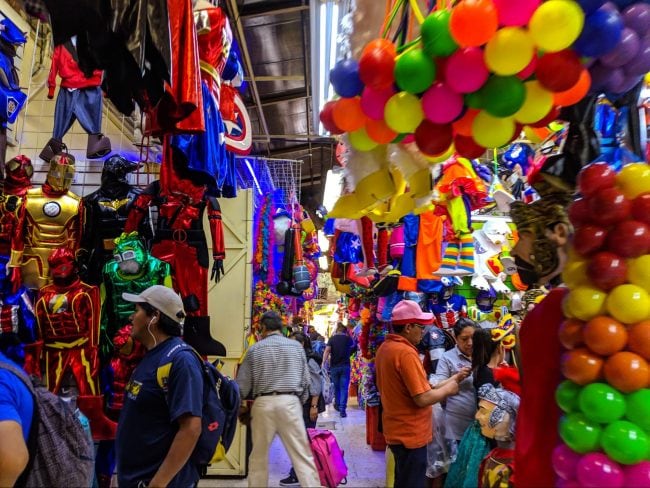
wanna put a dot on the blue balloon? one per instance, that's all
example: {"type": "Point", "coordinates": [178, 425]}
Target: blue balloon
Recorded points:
{"type": "Point", "coordinates": [601, 33]}
{"type": "Point", "coordinates": [621, 4]}
{"type": "Point", "coordinates": [590, 6]}
{"type": "Point", "coordinates": [345, 78]}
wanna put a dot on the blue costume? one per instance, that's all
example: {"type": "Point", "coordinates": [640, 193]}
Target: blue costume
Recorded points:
{"type": "Point", "coordinates": [11, 98]}
{"type": "Point", "coordinates": [16, 401]}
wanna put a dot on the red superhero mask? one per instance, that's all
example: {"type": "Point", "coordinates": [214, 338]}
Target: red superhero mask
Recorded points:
{"type": "Point", "coordinates": [63, 266]}
{"type": "Point", "coordinates": [19, 173]}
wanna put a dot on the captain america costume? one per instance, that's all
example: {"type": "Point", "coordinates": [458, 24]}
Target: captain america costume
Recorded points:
{"type": "Point", "coordinates": [447, 312]}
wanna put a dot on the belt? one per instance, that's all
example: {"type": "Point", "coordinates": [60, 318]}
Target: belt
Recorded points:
{"type": "Point", "coordinates": [276, 393]}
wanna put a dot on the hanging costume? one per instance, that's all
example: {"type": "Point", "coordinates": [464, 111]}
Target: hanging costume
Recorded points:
{"type": "Point", "coordinates": [18, 173]}
{"type": "Point", "coordinates": [489, 242]}
{"type": "Point", "coordinates": [448, 307]}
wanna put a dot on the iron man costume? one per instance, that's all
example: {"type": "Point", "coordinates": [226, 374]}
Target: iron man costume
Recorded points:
{"type": "Point", "coordinates": [53, 219]}
{"type": "Point", "coordinates": [17, 181]}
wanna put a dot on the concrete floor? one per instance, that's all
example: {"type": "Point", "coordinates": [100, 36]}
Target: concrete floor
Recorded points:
{"type": "Point", "coordinates": [366, 468]}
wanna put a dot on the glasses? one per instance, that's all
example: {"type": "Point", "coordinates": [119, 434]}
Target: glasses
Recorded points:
{"type": "Point", "coordinates": [125, 256]}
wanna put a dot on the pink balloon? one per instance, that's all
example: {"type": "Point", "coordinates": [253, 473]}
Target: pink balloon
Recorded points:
{"type": "Point", "coordinates": [596, 469]}
{"type": "Point", "coordinates": [441, 104]}
{"type": "Point", "coordinates": [567, 484]}
{"type": "Point", "coordinates": [564, 461]}
{"type": "Point", "coordinates": [373, 101]}
{"type": "Point", "coordinates": [466, 71]}
{"type": "Point", "coordinates": [515, 12]}
{"type": "Point", "coordinates": [408, 139]}
{"type": "Point", "coordinates": [528, 71]}
{"type": "Point", "coordinates": [637, 475]}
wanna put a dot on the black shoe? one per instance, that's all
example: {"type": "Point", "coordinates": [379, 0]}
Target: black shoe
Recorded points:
{"type": "Point", "coordinates": [343, 414]}
{"type": "Point", "coordinates": [290, 480]}
{"type": "Point", "coordinates": [336, 407]}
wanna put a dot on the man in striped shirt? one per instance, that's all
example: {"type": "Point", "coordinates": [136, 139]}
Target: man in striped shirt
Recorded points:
{"type": "Point", "coordinates": [275, 375]}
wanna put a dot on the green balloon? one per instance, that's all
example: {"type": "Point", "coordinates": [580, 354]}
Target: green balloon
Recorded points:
{"type": "Point", "coordinates": [414, 71]}
{"type": "Point", "coordinates": [580, 434]}
{"type": "Point", "coordinates": [625, 442]}
{"type": "Point", "coordinates": [398, 138]}
{"type": "Point", "coordinates": [436, 37]}
{"type": "Point", "coordinates": [474, 100]}
{"type": "Point", "coordinates": [502, 96]}
{"type": "Point", "coordinates": [601, 403]}
{"type": "Point", "coordinates": [566, 396]}
{"type": "Point", "coordinates": [638, 408]}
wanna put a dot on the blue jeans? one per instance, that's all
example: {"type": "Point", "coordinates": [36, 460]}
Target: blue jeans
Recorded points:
{"type": "Point", "coordinates": [341, 378]}
{"type": "Point", "coordinates": [410, 466]}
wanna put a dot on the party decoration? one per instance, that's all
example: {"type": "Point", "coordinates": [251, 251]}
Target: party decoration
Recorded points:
{"type": "Point", "coordinates": [433, 139]}
{"type": "Point", "coordinates": [403, 112]}
{"type": "Point", "coordinates": [628, 303]}
{"type": "Point", "coordinates": [414, 71]}
{"type": "Point", "coordinates": [556, 24]}
{"type": "Point", "coordinates": [571, 333]}
{"type": "Point", "coordinates": [473, 22]}
{"type": "Point", "coordinates": [602, 31]}
{"type": "Point", "coordinates": [441, 104]}
{"type": "Point", "coordinates": [629, 239]}
{"type": "Point", "coordinates": [558, 71]}
{"type": "Point", "coordinates": [576, 93]}
{"type": "Point", "coordinates": [509, 51]}
{"type": "Point", "coordinates": [436, 37]}
{"type": "Point", "coordinates": [607, 270]}
{"type": "Point", "coordinates": [515, 12]}
{"type": "Point", "coordinates": [586, 302]}
{"type": "Point", "coordinates": [604, 335]}
{"type": "Point", "coordinates": [465, 70]}
{"type": "Point", "coordinates": [463, 126]}
{"type": "Point", "coordinates": [640, 339]}
{"type": "Point", "coordinates": [537, 103]}
{"type": "Point", "coordinates": [379, 132]}
{"type": "Point", "coordinates": [582, 366]}
{"type": "Point", "coordinates": [638, 408]}
{"type": "Point", "coordinates": [345, 78]}
{"type": "Point", "coordinates": [567, 394]}
{"type": "Point", "coordinates": [502, 96]}
{"type": "Point", "coordinates": [489, 131]}
{"type": "Point", "coordinates": [565, 461]}
{"type": "Point", "coordinates": [579, 433]}
{"type": "Point", "coordinates": [327, 119]}
{"type": "Point", "coordinates": [596, 469]}
{"type": "Point", "coordinates": [601, 403]}
{"type": "Point", "coordinates": [623, 52]}
{"type": "Point", "coordinates": [634, 180]}
{"type": "Point", "coordinates": [361, 141]}
{"type": "Point", "coordinates": [595, 177]}
{"type": "Point", "coordinates": [377, 63]}
{"type": "Point", "coordinates": [625, 442]}
{"type": "Point", "coordinates": [347, 114]}
{"type": "Point", "coordinates": [627, 371]}
{"type": "Point", "coordinates": [637, 474]}
{"type": "Point", "coordinates": [373, 101]}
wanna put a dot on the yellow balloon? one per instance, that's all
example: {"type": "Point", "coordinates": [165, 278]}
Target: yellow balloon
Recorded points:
{"type": "Point", "coordinates": [634, 179]}
{"type": "Point", "coordinates": [638, 272]}
{"type": "Point", "coordinates": [566, 310]}
{"type": "Point", "coordinates": [556, 24]}
{"type": "Point", "coordinates": [586, 302]}
{"type": "Point", "coordinates": [361, 141]}
{"type": "Point", "coordinates": [575, 274]}
{"type": "Point", "coordinates": [509, 51]}
{"type": "Point", "coordinates": [628, 304]}
{"type": "Point", "coordinates": [537, 104]}
{"type": "Point", "coordinates": [403, 112]}
{"type": "Point", "coordinates": [489, 131]}
{"type": "Point", "coordinates": [441, 158]}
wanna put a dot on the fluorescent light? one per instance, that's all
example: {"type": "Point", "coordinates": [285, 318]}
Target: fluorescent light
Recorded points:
{"type": "Point", "coordinates": [333, 188]}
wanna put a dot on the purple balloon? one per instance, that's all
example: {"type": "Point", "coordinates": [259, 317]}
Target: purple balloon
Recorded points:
{"type": "Point", "coordinates": [637, 475]}
{"type": "Point", "coordinates": [616, 81]}
{"type": "Point", "coordinates": [637, 17]}
{"type": "Point", "coordinates": [596, 469]}
{"type": "Point", "coordinates": [600, 76]}
{"type": "Point", "coordinates": [625, 85]}
{"type": "Point", "coordinates": [624, 51]}
{"type": "Point", "coordinates": [564, 461]}
{"type": "Point", "coordinates": [567, 484]}
{"type": "Point", "coordinates": [640, 64]}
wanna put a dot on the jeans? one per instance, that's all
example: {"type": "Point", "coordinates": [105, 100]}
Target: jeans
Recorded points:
{"type": "Point", "coordinates": [410, 466]}
{"type": "Point", "coordinates": [341, 378]}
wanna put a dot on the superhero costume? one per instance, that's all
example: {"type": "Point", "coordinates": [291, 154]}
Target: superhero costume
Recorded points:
{"type": "Point", "coordinates": [17, 181]}
{"type": "Point", "coordinates": [53, 219]}
{"type": "Point", "coordinates": [68, 318]}
{"type": "Point", "coordinates": [447, 312]}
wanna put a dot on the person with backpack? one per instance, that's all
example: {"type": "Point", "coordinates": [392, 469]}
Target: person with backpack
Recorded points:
{"type": "Point", "coordinates": [161, 420]}
{"type": "Point", "coordinates": [337, 356]}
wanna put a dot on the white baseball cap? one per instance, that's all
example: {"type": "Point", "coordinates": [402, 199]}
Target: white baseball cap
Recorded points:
{"type": "Point", "coordinates": [162, 298]}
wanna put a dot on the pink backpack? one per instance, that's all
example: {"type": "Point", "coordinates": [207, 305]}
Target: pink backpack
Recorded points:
{"type": "Point", "coordinates": [328, 457]}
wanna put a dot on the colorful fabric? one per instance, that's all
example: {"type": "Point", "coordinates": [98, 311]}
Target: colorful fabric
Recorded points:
{"type": "Point", "coordinates": [429, 248]}
{"type": "Point", "coordinates": [463, 473]}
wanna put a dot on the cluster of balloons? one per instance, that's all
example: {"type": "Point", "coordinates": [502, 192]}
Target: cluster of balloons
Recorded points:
{"type": "Point", "coordinates": [606, 394]}
{"type": "Point", "coordinates": [616, 40]}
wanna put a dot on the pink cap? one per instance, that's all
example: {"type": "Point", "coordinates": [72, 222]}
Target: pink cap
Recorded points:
{"type": "Point", "coordinates": [409, 312]}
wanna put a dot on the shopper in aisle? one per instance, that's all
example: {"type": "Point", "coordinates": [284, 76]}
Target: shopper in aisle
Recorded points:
{"type": "Point", "coordinates": [487, 354]}
{"type": "Point", "coordinates": [315, 404]}
{"type": "Point", "coordinates": [337, 356]}
{"type": "Point", "coordinates": [275, 374]}
{"type": "Point", "coordinates": [406, 395]}
{"type": "Point", "coordinates": [160, 422]}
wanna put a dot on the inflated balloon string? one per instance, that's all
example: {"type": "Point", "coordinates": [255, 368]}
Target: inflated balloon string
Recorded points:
{"type": "Point", "coordinates": [389, 20]}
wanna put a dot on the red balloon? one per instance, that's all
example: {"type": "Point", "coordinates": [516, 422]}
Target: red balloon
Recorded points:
{"type": "Point", "coordinates": [641, 208]}
{"type": "Point", "coordinates": [433, 139]}
{"type": "Point", "coordinates": [607, 270]}
{"type": "Point", "coordinates": [594, 177]}
{"type": "Point", "coordinates": [528, 71]}
{"type": "Point", "coordinates": [558, 71]}
{"type": "Point", "coordinates": [377, 63]}
{"type": "Point", "coordinates": [327, 119]}
{"type": "Point", "coordinates": [467, 147]}
{"type": "Point", "coordinates": [579, 212]}
{"type": "Point", "coordinates": [554, 114]}
{"type": "Point", "coordinates": [609, 206]}
{"type": "Point", "coordinates": [588, 239]}
{"type": "Point", "coordinates": [629, 239]}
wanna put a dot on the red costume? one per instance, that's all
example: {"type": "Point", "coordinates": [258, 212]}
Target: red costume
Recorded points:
{"type": "Point", "coordinates": [64, 65]}
{"type": "Point", "coordinates": [17, 181]}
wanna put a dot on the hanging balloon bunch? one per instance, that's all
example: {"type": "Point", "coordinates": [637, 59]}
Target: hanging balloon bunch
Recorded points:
{"type": "Point", "coordinates": [606, 396]}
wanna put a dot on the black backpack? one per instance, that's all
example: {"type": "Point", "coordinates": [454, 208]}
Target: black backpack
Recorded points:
{"type": "Point", "coordinates": [60, 451]}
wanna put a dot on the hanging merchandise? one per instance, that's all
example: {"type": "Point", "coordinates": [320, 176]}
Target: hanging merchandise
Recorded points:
{"type": "Point", "coordinates": [18, 174]}
{"type": "Point", "coordinates": [490, 242]}
{"type": "Point", "coordinates": [446, 305]}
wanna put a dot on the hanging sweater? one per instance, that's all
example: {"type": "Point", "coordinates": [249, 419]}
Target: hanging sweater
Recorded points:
{"type": "Point", "coordinates": [66, 67]}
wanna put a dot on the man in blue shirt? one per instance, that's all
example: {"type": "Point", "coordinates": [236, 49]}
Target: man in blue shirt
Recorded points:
{"type": "Point", "coordinates": [338, 352]}
{"type": "Point", "coordinates": [16, 410]}
{"type": "Point", "coordinates": [160, 422]}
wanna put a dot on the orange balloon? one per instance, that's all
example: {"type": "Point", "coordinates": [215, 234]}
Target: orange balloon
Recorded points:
{"type": "Point", "coordinates": [604, 335]}
{"type": "Point", "coordinates": [463, 126]}
{"type": "Point", "coordinates": [347, 114]}
{"type": "Point", "coordinates": [582, 366]}
{"type": "Point", "coordinates": [627, 371]}
{"type": "Point", "coordinates": [571, 333]}
{"type": "Point", "coordinates": [576, 93]}
{"type": "Point", "coordinates": [639, 339]}
{"type": "Point", "coordinates": [379, 132]}
{"type": "Point", "coordinates": [473, 22]}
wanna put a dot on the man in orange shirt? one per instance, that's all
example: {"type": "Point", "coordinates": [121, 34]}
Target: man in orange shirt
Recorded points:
{"type": "Point", "coordinates": [406, 395]}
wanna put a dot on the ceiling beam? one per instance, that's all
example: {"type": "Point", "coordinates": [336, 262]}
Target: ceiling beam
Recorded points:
{"type": "Point", "coordinates": [253, 12]}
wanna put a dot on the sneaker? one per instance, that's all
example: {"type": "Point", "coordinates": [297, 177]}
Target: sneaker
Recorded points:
{"type": "Point", "coordinates": [290, 480]}
{"type": "Point", "coordinates": [336, 407]}
{"type": "Point", "coordinates": [343, 414]}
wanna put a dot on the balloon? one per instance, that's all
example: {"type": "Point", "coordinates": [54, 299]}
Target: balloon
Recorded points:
{"type": "Point", "coordinates": [624, 51]}
{"type": "Point", "coordinates": [579, 211]}
{"type": "Point", "coordinates": [536, 135]}
{"type": "Point", "coordinates": [607, 270]}
{"type": "Point", "coordinates": [515, 12]}
{"type": "Point", "coordinates": [629, 239]}
{"type": "Point", "coordinates": [576, 93]}
{"type": "Point", "coordinates": [373, 101]}
{"type": "Point", "coordinates": [624, 442]}
{"type": "Point", "coordinates": [556, 24]}
{"type": "Point", "coordinates": [602, 75]}
{"type": "Point", "coordinates": [377, 63]}
{"type": "Point", "coordinates": [574, 274]}
{"type": "Point", "coordinates": [414, 71]}
{"type": "Point", "coordinates": [580, 434]}
{"type": "Point", "coordinates": [436, 38]}
{"type": "Point", "coordinates": [609, 206]}
{"type": "Point", "coordinates": [433, 139]}
{"type": "Point", "coordinates": [589, 6]}
{"type": "Point", "coordinates": [529, 70]}
{"type": "Point", "coordinates": [601, 403]}
{"type": "Point", "coordinates": [509, 51]}
{"type": "Point", "coordinates": [570, 333]}
{"type": "Point", "coordinates": [474, 100]}
{"type": "Point", "coordinates": [638, 408]}
{"type": "Point", "coordinates": [347, 114]}
{"type": "Point", "coordinates": [641, 208]}
{"type": "Point", "coordinates": [628, 304]}
{"type": "Point", "coordinates": [379, 132]}
{"type": "Point", "coordinates": [637, 18]}
{"type": "Point", "coordinates": [537, 104]}
{"type": "Point", "coordinates": [595, 470]}
{"type": "Point", "coordinates": [634, 179]}
{"type": "Point", "coordinates": [566, 396]}
{"type": "Point", "coordinates": [441, 104]}
{"type": "Point", "coordinates": [344, 77]}
{"type": "Point", "coordinates": [601, 32]}
{"type": "Point", "coordinates": [465, 71]}
{"type": "Point", "coordinates": [502, 96]}
{"type": "Point", "coordinates": [595, 177]}
{"type": "Point", "coordinates": [640, 64]}
{"type": "Point", "coordinates": [638, 474]}
{"type": "Point", "coordinates": [467, 147]}
{"type": "Point", "coordinates": [473, 22]}
{"type": "Point", "coordinates": [489, 131]}
{"type": "Point", "coordinates": [327, 119]}
{"type": "Point", "coordinates": [588, 239]}
{"type": "Point", "coordinates": [558, 71]}
{"type": "Point", "coordinates": [627, 371]}
{"type": "Point", "coordinates": [403, 112]}
{"type": "Point", "coordinates": [604, 335]}
{"type": "Point", "coordinates": [582, 366]}
{"type": "Point", "coordinates": [442, 157]}
{"type": "Point", "coordinates": [586, 302]}
{"type": "Point", "coordinates": [463, 126]}
{"type": "Point", "coordinates": [360, 140]}
{"type": "Point", "coordinates": [564, 461]}
{"type": "Point", "coordinates": [639, 341]}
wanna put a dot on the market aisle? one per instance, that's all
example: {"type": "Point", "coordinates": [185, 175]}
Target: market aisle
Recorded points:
{"type": "Point", "coordinates": [366, 467]}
